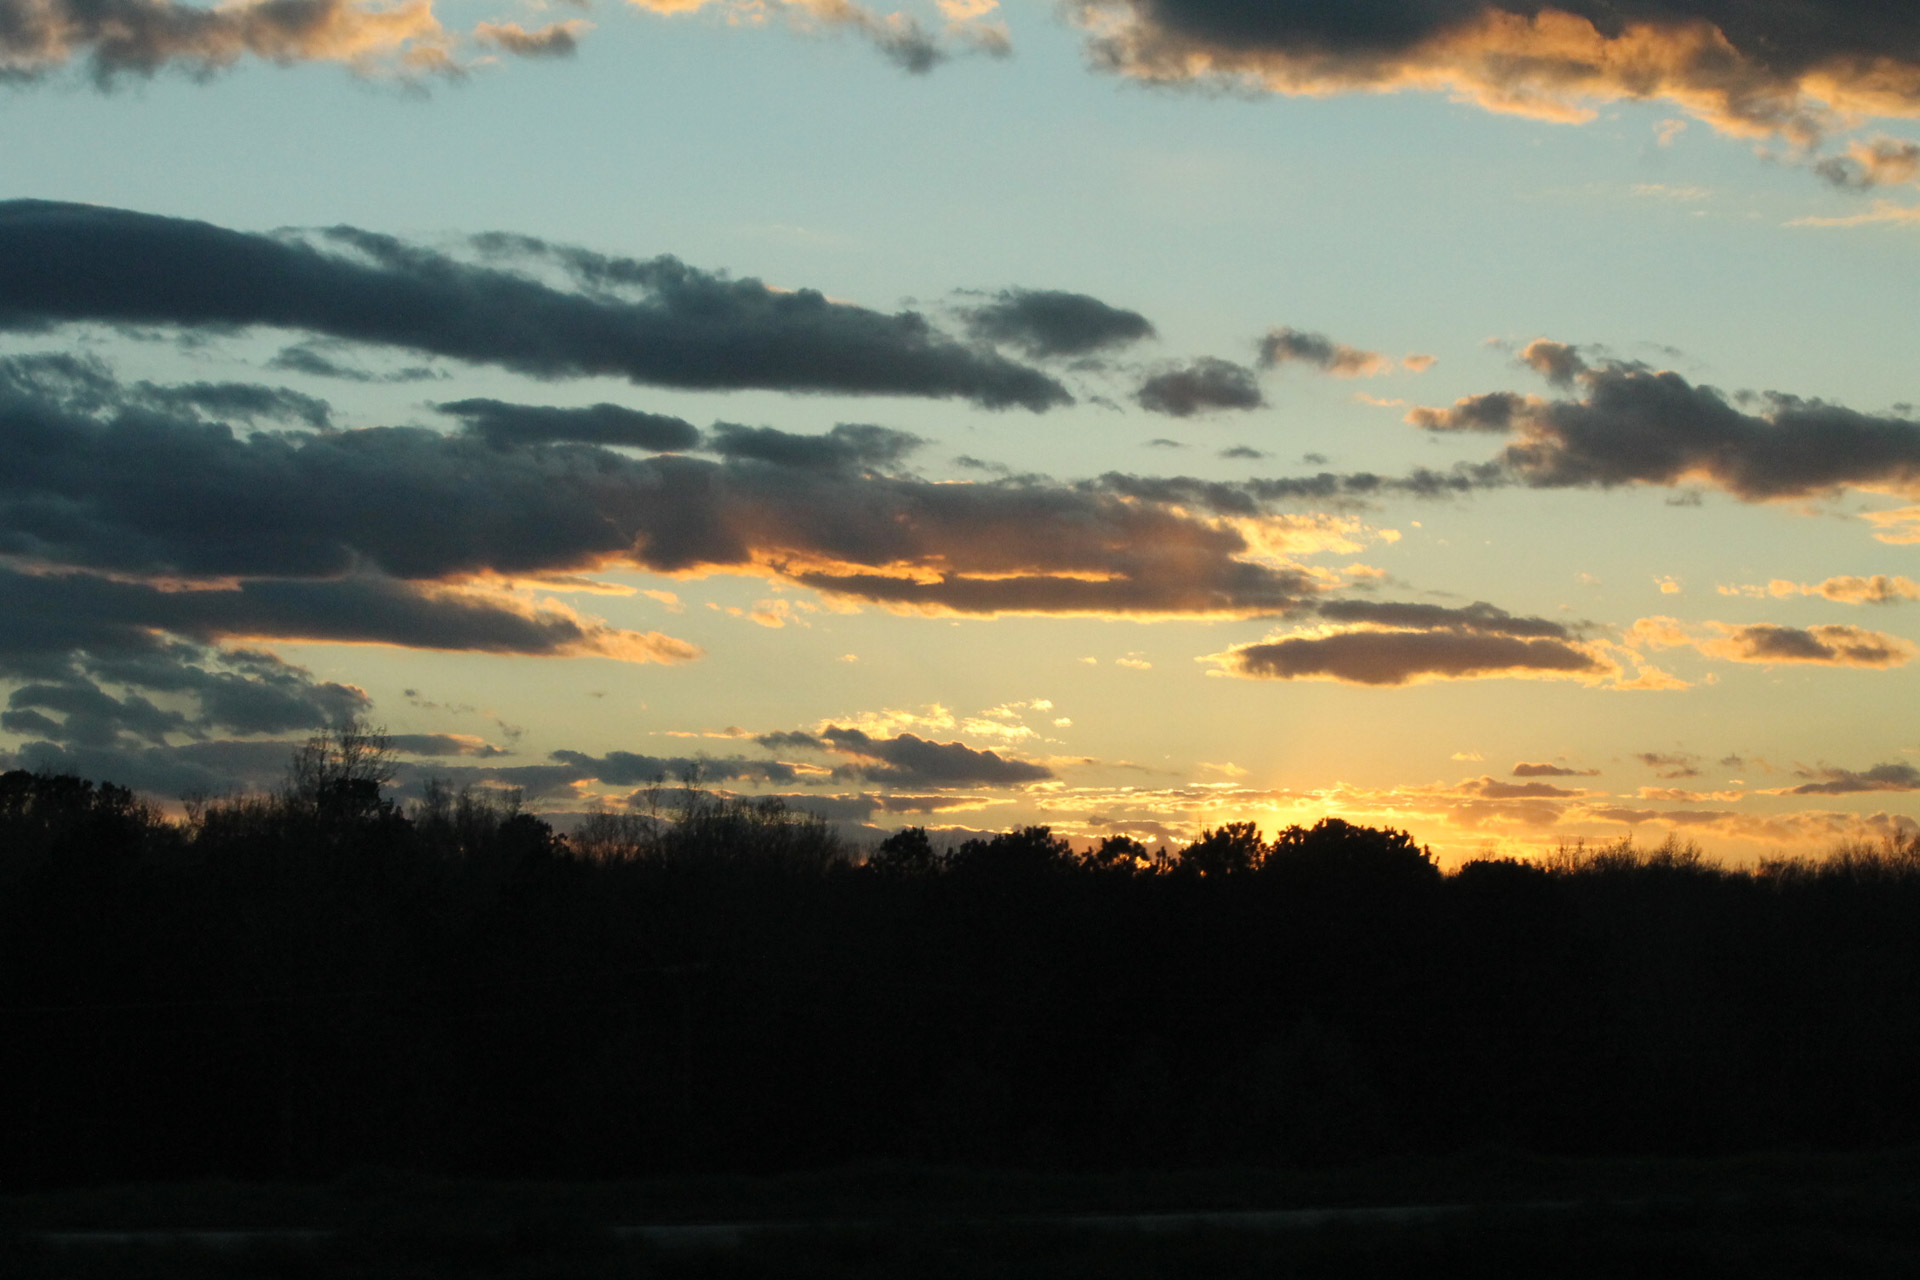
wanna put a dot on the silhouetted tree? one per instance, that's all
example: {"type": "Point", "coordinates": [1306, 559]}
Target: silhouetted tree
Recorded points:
{"type": "Point", "coordinates": [907, 852]}
{"type": "Point", "coordinates": [1026, 851]}
{"type": "Point", "coordinates": [1223, 851]}
{"type": "Point", "coordinates": [1118, 854]}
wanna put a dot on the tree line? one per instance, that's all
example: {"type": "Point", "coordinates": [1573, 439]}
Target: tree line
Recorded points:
{"type": "Point", "coordinates": [322, 979]}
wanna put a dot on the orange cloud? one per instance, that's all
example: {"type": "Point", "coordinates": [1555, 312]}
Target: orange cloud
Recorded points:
{"type": "Point", "coordinates": [1883, 211]}
{"type": "Point", "coordinates": [1827, 645]}
{"type": "Point", "coordinates": [1767, 643]}
{"type": "Point", "coordinates": [142, 39]}
{"type": "Point", "coordinates": [1548, 63]}
{"type": "Point", "coordinates": [1881, 588]}
{"type": "Point", "coordinates": [1900, 526]}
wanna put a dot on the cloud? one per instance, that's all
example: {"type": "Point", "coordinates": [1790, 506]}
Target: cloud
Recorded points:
{"type": "Point", "coordinates": [52, 613]}
{"type": "Point", "coordinates": [1675, 764]}
{"type": "Point", "coordinates": [1475, 645]}
{"type": "Point", "coordinates": [1829, 644]}
{"type": "Point", "coordinates": [90, 485]}
{"type": "Point", "coordinates": [1203, 384]}
{"type": "Point", "coordinates": [555, 40]}
{"type": "Point", "coordinates": [656, 322]}
{"type": "Point", "coordinates": [1635, 425]}
{"type": "Point", "coordinates": [1051, 323]}
{"type": "Point", "coordinates": [443, 744]}
{"type": "Point", "coordinates": [1840, 782]}
{"type": "Point", "coordinates": [1753, 71]}
{"type": "Point", "coordinates": [1558, 362]}
{"type": "Point", "coordinates": [909, 760]}
{"type": "Point", "coordinates": [195, 768]}
{"type": "Point", "coordinates": [1251, 497]}
{"type": "Point", "coordinates": [1479, 617]}
{"type": "Point", "coordinates": [1882, 212]}
{"type": "Point", "coordinates": [1871, 163]}
{"type": "Point", "coordinates": [626, 768]}
{"type": "Point", "coordinates": [503, 424]}
{"type": "Point", "coordinates": [1525, 770]}
{"type": "Point", "coordinates": [1899, 527]}
{"type": "Point", "coordinates": [1832, 645]}
{"type": "Point", "coordinates": [1494, 789]}
{"type": "Point", "coordinates": [123, 38]}
{"type": "Point", "coordinates": [1496, 411]}
{"type": "Point", "coordinates": [1284, 345]}
{"type": "Point", "coordinates": [310, 359]}
{"type": "Point", "coordinates": [1881, 588]}
{"type": "Point", "coordinates": [101, 695]}
{"type": "Point", "coordinates": [848, 447]}
{"type": "Point", "coordinates": [899, 37]}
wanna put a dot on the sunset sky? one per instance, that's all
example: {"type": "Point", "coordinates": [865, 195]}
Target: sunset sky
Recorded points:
{"type": "Point", "coordinates": [1491, 421]}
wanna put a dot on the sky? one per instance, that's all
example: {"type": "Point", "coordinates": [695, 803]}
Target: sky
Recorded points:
{"type": "Point", "coordinates": [1488, 420]}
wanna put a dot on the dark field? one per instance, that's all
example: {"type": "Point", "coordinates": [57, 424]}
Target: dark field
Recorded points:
{"type": "Point", "coordinates": [1491, 1214]}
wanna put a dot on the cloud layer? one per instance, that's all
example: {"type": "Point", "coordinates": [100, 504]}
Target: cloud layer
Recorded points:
{"type": "Point", "coordinates": [1756, 70]}
{"type": "Point", "coordinates": [1397, 644]}
{"type": "Point", "coordinates": [1635, 425]}
{"type": "Point", "coordinates": [656, 321]}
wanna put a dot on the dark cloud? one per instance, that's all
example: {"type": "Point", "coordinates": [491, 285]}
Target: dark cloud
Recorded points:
{"type": "Point", "coordinates": [1638, 426]}
{"type": "Point", "coordinates": [555, 40]}
{"type": "Point", "coordinates": [101, 696]}
{"type": "Point", "coordinates": [791, 740]}
{"type": "Point", "coordinates": [194, 768]}
{"type": "Point", "coordinates": [656, 321]}
{"type": "Point", "coordinates": [625, 768]}
{"type": "Point", "coordinates": [1871, 163]}
{"type": "Point", "coordinates": [1493, 411]}
{"type": "Point", "coordinates": [1400, 657]}
{"type": "Point", "coordinates": [326, 529]}
{"type": "Point", "coordinates": [121, 38]}
{"type": "Point", "coordinates": [1494, 789]}
{"type": "Point", "coordinates": [1767, 67]}
{"type": "Point", "coordinates": [1832, 645]}
{"type": "Point", "coordinates": [923, 804]}
{"type": "Point", "coordinates": [91, 716]}
{"type": "Point", "coordinates": [1284, 346]}
{"type": "Point", "coordinates": [1840, 782]}
{"type": "Point", "coordinates": [851, 446]}
{"type": "Point", "coordinates": [1206, 383]}
{"type": "Point", "coordinates": [1524, 770]}
{"type": "Point", "coordinates": [307, 358]}
{"type": "Point", "coordinates": [237, 402]}
{"type": "Point", "coordinates": [52, 613]}
{"type": "Point", "coordinates": [1051, 323]}
{"type": "Point", "coordinates": [1479, 617]}
{"type": "Point", "coordinates": [1670, 764]}
{"type": "Point", "coordinates": [85, 384]}
{"type": "Point", "coordinates": [1251, 497]}
{"type": "Point", "coordinates": [1393, 643]}
{"type": "Point", "coordinates": [1243, 451]}
{"type": "Point", "coordinates": [501, 423]}
{"type": "Point", "coordinates": [442, 744]}
{"type": "Point", "coordinates": [908, 760]}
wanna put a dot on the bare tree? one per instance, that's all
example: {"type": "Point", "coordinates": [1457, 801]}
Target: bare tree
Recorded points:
{"type": "Point", "coordinates": [342, 768]}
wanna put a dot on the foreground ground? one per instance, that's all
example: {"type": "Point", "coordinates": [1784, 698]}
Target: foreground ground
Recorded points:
{"type": "Point", "coordinates": [1491, 1214]}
